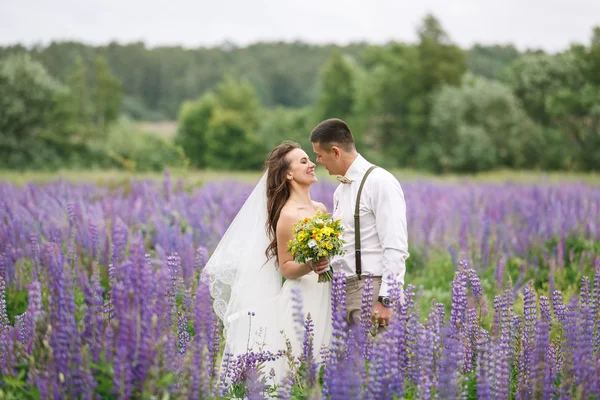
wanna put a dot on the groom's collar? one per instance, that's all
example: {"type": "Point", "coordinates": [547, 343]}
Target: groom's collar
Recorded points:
{"type": "Point", "coordinates": [357, 169]}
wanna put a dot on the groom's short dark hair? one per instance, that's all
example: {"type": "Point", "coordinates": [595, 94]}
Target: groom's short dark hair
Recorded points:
{"type": "Point", "coordinates": [333, 132]}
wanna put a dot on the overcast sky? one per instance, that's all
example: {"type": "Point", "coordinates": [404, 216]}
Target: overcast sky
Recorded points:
{"type": "Point", "coordinates": [548, 24]}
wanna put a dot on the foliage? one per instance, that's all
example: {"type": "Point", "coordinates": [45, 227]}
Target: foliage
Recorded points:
{"type": "Point", "coordinates": [489, 61]}
{"type": "Point", "coordinates": [337, 88]}
{"type": "Point", "coordinates": [32, 112]}
{"type": "Point", "coordinates": [389, 94]}
{"type": "Point", "coordinates": [561, 94]}
{"type": "Point", "coordinates": [192, 127]}
{"type": "Point", "coordinates": [219, 130]}
{"type": "Point", "coordinates": [138, 151]}
{"type": "Point", "coordinates": [479, 126]}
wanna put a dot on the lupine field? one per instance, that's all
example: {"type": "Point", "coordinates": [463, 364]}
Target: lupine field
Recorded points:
{"type": "Point", "coordinates": [101, 296]}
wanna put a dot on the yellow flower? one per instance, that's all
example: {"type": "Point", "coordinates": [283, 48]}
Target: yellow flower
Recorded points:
{"type": "Point", "coordinates": [327, 231]}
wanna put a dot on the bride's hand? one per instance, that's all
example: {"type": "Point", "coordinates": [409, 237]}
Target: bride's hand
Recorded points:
{"type": "Point", "coordinates": [319, 267]}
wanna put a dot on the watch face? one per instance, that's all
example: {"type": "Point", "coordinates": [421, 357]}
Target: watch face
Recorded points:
{"type": "Point", "coordinates": [386, 301]}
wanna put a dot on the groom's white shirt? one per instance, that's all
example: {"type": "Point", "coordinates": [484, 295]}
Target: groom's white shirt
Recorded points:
{"type": "Point", "coordinates": [383, 232]}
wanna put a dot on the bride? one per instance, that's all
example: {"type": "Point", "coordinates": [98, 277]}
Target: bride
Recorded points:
{"type": "Point", "coordinates": [245, 271]}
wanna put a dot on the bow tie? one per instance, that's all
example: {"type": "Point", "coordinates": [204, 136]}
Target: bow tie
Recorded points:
{"type": "Point", "coordinates": [343, 179]}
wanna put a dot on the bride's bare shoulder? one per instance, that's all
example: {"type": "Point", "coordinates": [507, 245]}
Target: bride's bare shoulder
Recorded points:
{"type": "Point", "coordinates": [288, 216]}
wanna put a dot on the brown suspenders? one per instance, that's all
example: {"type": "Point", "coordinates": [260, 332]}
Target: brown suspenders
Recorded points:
{"type": "Point", "coordinates": [357, 224]}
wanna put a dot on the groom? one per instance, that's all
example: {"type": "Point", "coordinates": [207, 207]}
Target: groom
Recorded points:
{"type": "Point", "coordinates": [382, 219]}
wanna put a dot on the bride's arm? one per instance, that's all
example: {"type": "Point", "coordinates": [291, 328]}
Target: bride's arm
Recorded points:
{"type": "Point", "coordinates": [288, 268]}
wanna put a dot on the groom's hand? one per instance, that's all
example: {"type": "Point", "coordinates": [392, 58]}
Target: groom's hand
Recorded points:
{"type": "Point", "coordinates": [383, 314]}
{"type": "Point", "coordinates": [321, 266]}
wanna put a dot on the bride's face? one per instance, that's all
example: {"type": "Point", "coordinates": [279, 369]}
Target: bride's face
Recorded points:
{"type": "Point", "coordinates": [301, 169]}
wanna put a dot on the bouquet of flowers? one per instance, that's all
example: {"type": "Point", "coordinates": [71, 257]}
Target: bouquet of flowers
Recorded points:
{"type": "Point", "coordinates": [317, 238]}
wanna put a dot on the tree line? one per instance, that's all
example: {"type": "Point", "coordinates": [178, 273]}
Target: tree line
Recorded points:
{"type": "Point", "coordinates": [428, 105]}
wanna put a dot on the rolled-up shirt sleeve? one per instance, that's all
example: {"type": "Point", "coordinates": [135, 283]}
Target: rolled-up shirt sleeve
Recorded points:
{"type": "Point", "coordinates": [389, 208]}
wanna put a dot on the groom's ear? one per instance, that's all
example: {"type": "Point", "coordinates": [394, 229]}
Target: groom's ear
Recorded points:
{"type": "Point", "coordinates": [335, 151]}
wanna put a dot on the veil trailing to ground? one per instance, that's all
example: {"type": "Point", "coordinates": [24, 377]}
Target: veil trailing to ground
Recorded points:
{"type": "Point", "coordinates": [242, 280]}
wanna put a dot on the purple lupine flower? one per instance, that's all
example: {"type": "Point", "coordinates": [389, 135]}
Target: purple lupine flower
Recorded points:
{"type": "Point", "coordinates": [475, 284]}
{"type": "Point", "coordinates": [184, 335]}
{"type": "Point", "coordinates": [334, 385]}
{"type": "Point", "coordinates": [298, 313]}
{"type": "Point", "coordinates": [558, 305]}
{"type": "Point", "coordinates": [410, 362]}
{"type": "Point", "coordinates": [458, 314]}
{"type": "Point", "coordinates": [123, 374]}
{"type": "Point", "coordinates": [95, 239]}
{"type": "Point", "coordinates": [255, 387]}
{"type": "Point", "coordinates": [226, 374]}
{"type": "Point", "coordinates": [484, 370]}
{"type": "Point", "coordinates": [366, 308]}
{"type": "Point", "coordinates": [201, 257]}
{"type": "Point", "coordinates": [4, 323]}
{"type": "Point", "coordinates": [65, 339]}
{"type": "Point", "coordinates": [143, 302]}
{"type": "Point", "coordinates": [585, 292]}
{"type": "Point", "coordinates": [246, 363]}
{"type": "Point", "coordinates": [595, 309]}
{"type": "Point", "coordinates": [502, 348]}
{"type": "Point", "coordinates": [35, 250]}
{"type": "Point", "coordinates": [425, 348]}
{"type": "Point", "coordinates": [540, 366]}
{"type": "Point", "coordinates": [569, 349]}
{"type": "Point", "coordinates": [217, 331]}
{"type": "Point", "coordinates": [308, 352]}
{"type": "Point", "coordinates": [174, 270]}
{"type": "Point", "coordinates": [396, 337]}
{"type": "Point", "coordinates": [120, 234]}
{"type": "Point", "coordinates": [500, 273]}
{"type": "Point", "coordinates": [3, 267]}
{"type": "Point", "coordinates": [285, 388]}
{"type": "Point", "coordinates": [554, 360]}
{"type": "Point", "coordinates": [584, 353]}
{"type": "Point", "coordinates": [33, 313]}
{"type": "Point", "coordinates": [469, 339]}
{"type": "Point", "coordinates": [450, 363]}
{"type": "Point", "coordinates": [530, 312]}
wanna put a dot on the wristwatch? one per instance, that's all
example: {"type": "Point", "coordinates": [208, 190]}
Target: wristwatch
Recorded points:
{"type": "Point", "coordinates": [385, 301]}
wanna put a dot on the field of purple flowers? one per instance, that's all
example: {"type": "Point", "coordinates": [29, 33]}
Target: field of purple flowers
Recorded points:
{"type": "Point", "coordinates": [100, 297]}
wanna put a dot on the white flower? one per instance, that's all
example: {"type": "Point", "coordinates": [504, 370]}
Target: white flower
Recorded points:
{"type": "Point", "coordinates": [312, 243]}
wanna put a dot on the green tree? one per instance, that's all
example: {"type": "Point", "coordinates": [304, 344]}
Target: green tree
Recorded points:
{"type": "Point", "coordinates": [32, 113]}
{"type": "Point", "coordinates": [231, 144]}
{"type": "Point", "coordinates": [239, 96]}
{"type": "Point", "coordinates": [107, 97]}
{"type": "Point", "coordinates": [394, 99]}
{"type": "Point", "coordinates": [284, 123]}
{"type": "Point", "coordinates": [489, 61]}
{"type": "Point", "coordinates": [440, 63]}
{"type": "Point", "coordinates": [192, 127]}
{"type": "Point", "coordinates": [480, 125]}
{"type": "Point", "coordinates": [384, 101]}
{"type": "Point", "coordinates": [559, 93]}
{"type": "Point", "coordinates": [220, 130]}
{"type": "Point", "coordinates": [337, 88]}
{"type": "Point", "coordinates": [80, 101]}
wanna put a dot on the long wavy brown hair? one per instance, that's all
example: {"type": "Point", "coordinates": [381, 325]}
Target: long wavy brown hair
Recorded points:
{"type": "Point", "coordinates": [278, 190]}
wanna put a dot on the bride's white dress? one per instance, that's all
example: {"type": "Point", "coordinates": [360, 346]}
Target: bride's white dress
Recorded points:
{"type": "Point", "coordinates": [316, 300]}
{"type": "Point", "coordinates": [257, 310]}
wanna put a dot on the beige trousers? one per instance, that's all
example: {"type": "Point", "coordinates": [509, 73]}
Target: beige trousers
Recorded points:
{"type": "Point", "coordinates": [354, 294]}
